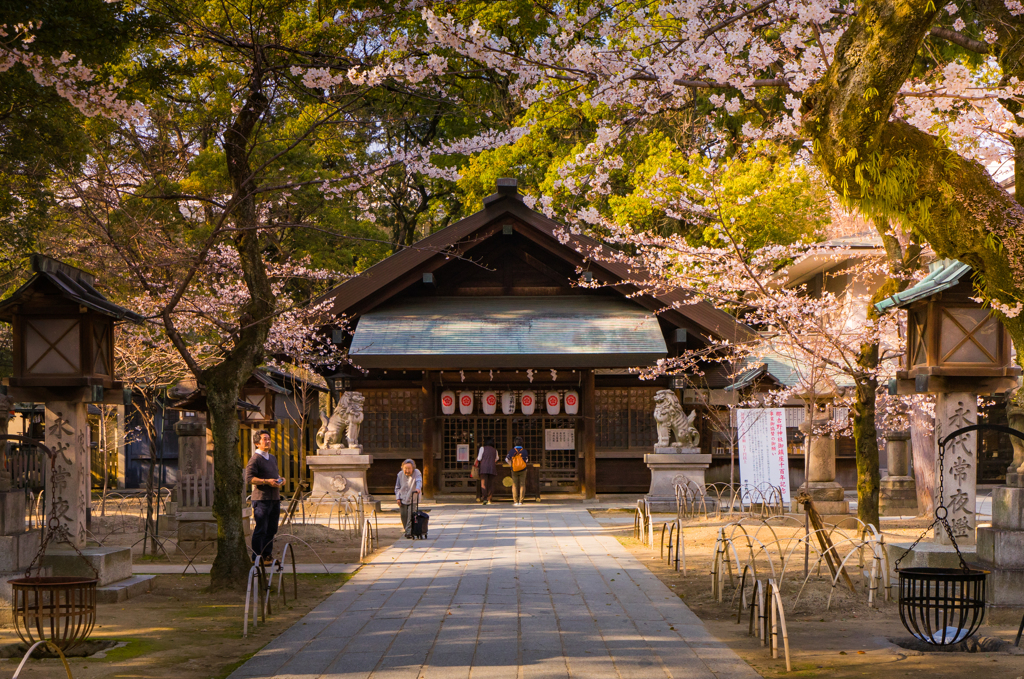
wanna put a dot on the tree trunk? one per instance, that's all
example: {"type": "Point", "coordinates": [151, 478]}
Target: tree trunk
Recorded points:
{"type": "Point", "coordinates": [865, 436]}
{"type": "Point", "coordinates": [224, 381]}
{"type": "Point", "coordinates": [922, 447]}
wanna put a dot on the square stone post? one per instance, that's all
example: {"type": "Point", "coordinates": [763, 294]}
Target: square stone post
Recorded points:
{"type": "Point", "coordinates": [959, 470]}
{"type": "Point", "coordinates": [898, 494]}
{"type": "Point", "coordinates": [67, 486]}
{"type": "Point", "coordinates": [821, 485]}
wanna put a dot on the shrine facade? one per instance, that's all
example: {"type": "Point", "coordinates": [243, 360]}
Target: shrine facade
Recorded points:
{"type": "Point", "coordinates": [504, 325]}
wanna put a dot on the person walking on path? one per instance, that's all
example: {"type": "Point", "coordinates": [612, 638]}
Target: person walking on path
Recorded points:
{"type": "Point", "coordinates": [518, 475]}
{"type": "Point", "coordinates": [262, 474]}
{"type": "Point", "coordinates": [407, 486]}
{"type": "Point", "coordinates": [487, 462]}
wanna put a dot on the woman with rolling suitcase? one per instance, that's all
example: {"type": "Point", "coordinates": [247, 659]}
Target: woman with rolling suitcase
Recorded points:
{"type": "Point", "coordinates": [408, 487]}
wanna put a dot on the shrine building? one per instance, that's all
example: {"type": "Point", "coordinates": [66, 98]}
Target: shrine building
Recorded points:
{"type": "Point", "coordinates": [488, 328]}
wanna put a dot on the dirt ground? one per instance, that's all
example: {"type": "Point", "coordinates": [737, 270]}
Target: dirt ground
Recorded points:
{"type": "Point", "coordinates": [180, 631]}
{"type": "Point", "coordinates": [844, 639]}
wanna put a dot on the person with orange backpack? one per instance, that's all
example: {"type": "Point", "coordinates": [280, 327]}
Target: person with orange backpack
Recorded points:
{"type": "Point", "coordinates": [518, 458]}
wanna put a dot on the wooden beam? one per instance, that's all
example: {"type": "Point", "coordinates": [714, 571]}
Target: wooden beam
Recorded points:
{"type": "Point", "coordinates": [589, 436]}
{"type": "Point", "coordinates": [427, 409]}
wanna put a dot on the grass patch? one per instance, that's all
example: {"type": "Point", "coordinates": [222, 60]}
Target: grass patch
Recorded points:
{"type": "Point", "coordinates": [229, 668]}
{"type": "Point", "coordinates": [134, 649]}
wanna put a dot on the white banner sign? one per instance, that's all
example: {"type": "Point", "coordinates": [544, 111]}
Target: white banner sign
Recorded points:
{"type": "Point", "coordinates": [559, 439]}
{"type": "Point", "coordinates": [462, 452]}
{"type": "Point", "coordinates": [764, 459]}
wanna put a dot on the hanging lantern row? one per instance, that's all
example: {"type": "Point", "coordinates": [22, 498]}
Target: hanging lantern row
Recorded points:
{"type": "Point", "coordinates": [465, 402]}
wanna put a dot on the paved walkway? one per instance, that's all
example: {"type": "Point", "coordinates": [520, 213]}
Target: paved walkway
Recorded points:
{"type": "Point", "coordinates": [496, 592]}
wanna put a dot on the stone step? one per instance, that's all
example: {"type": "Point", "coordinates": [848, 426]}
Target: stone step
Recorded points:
{"type": "Point", "coordinates": [123, 590]}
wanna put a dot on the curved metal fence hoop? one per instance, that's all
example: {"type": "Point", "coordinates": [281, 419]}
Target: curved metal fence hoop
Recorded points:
{"type": "Point", "coordinates": [52, 647]}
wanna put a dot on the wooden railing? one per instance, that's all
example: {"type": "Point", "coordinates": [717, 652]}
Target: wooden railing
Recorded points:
{"type": "Point", "coordinates": [195, 491]}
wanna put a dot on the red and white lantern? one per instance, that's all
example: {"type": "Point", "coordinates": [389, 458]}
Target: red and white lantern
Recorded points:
{"type": "Point", "coordinates": [508, 403]}
{"type": "Point", "coordinates": [572, 403]}
{"type": "Point", "coordinates": [489, 402]}
{"type": "Point", "coordinates": [466, 402]}
{"type": "Point", "coordinates": [552, 403]}
{"type": "Point", "coordinates": [448, 402]}
{"type": "Point", "coordinates": [527, 402]}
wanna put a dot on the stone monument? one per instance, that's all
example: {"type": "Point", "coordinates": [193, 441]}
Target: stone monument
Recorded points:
{"type": "Point", "coordinates": [898, 494]}
{"type": "Point", "coordinates": [959, 469]}
{"type": "Point", "coordinates": [193, 494]}
{"type": "Point", "coordinates": [678, 463]}
{"type": "Point", "coordinates": [821, 485]}
{"type": "Point", "coordinates": [1001, 545]}
{"type": "Point", "coordinates": [339, 467]}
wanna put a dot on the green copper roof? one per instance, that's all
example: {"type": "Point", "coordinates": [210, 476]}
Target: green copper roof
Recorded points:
{"type": "Point", "coordinates": [942, 275]}
{"type": "Point", "coordinates": [508, 332]}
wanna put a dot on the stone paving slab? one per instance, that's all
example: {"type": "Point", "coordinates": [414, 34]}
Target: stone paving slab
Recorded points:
{"type": "Point", "coordinates": [501, 593]}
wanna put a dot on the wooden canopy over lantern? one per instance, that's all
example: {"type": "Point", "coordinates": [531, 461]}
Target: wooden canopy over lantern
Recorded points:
{"type": "Point", "coordinates": [63, 329]}
{"type": "Point", "coordinates": [952, 339]}
{"type": "Point", "coordinates": [256, 403]}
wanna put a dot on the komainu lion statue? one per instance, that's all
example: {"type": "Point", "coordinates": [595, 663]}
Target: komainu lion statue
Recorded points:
{"type": "Point", "coordinates": [671, 420]}
{"type": "Point", "coordinates": [343, 424]}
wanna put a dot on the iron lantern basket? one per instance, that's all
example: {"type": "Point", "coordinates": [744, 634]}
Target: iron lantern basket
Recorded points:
{"type": "Point", "coordinates": [61, 610]}
{"type": "Point", "coordinates": [944, 606]}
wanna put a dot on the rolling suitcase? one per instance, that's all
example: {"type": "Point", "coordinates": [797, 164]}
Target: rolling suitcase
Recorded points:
{"type": "Point", "coordinates": [419, 522]}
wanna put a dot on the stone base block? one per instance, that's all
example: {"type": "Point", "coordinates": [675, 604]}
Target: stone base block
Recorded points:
{"type": "Point", "coordinates": [7, 594]}
{"type": "Point", "coordinates": [12, 512]}
{"type": "Point", "coordinates": [1008, 508]}
{"type": "Point", "coordinates": [1001, 548]}
{"type": "Point", "coordinates": [17, 551]}
{"type": "Point", "coordinates": [824, 491]}
{"type": "Point", "coordinates": [1014, 480]}
{"type": "Point", "coordinates": [929, 555]}
{"type": "Point", "coordinates": [123, 590]}
{"type": "Point", "coordinates": [339, 472]}
{"type": "Point", "coordinates": [662, 504]}
{"type": "Point", "coordinates": [1005, 588]}
{"type": "Point", "coordinates": [197, 531]}
{"type": "Point", "coordinates": [113, 563]}
{"type": "Point", "coordinates": [897, 496]}
{"type": "Point", "coordinates": [827, 509]}
{"type": "Point", "coordinates": [671, 469]}
{"type": "Point", "coordinates": [167, 523]}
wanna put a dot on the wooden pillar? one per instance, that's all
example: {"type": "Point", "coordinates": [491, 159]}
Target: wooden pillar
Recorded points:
{"type": "Point", "coordinates": [589, 436]}
{"type": "Point", "coordinates": [427, 410]}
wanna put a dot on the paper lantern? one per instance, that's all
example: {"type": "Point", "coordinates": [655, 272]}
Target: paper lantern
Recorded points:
{"type": "Point", "coordinates": [466, 402]}
{"type": "Point", "coordinates": [508, 402]}
{"type": "Point", "coordinates": [448, 402]}
{"type": "Point", "coordinates": [489, 401]}
{"type": "Point", "coordinates": [528, 401]}
{"type": "Point", "coordinates": [572, 403]}
{"type": "Point", "coordinates": [552, 402]}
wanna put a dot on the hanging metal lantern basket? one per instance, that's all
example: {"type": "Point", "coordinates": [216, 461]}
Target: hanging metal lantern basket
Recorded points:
{"type": "Point", "coordinates": [61, 610]}
{"type": "Point", "coordinates": [944, 606]}
{"type": "Point", "coordinates": [58, 609]}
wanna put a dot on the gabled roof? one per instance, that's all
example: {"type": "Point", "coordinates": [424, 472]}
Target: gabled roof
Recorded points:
{"type": "Point", "coordinates": [597, 257]}
{"type": "Point", "coordinates": [942, 275]}
{"type": "Point", "coordinates": [51, 277]}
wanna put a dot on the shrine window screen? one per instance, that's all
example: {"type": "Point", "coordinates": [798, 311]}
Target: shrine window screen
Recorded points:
{"type": "Point", "coordinates": [392, 420]}
{"type": "Point", "coordinates": [625, 418]}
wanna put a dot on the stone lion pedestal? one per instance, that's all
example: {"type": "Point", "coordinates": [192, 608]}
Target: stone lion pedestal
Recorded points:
{"type": "Point", "coordinates": [338, 472]}
{"type": "Point", "coordinates": [679, 464]}
{"type": "Point", "coordinates": [671, 466]}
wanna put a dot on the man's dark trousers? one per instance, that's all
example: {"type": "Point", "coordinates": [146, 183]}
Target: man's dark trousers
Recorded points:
{"type": "Point", "coordinates": [267, 513]}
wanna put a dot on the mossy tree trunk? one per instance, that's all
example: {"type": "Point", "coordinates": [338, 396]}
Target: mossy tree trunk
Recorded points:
{"type": "Point", "coordinates": [223, 381]}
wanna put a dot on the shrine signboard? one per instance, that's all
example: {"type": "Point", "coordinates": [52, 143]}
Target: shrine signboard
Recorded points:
{"type": "Point", "coordinates": [764, 458]}
{"type": "Point", "coordinates": [959, 467]}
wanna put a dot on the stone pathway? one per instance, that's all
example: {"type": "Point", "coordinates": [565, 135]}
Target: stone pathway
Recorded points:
{"type": "Point", "coordinates": [496, 592]}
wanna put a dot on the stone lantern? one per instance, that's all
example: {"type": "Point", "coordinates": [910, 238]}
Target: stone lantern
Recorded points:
{"type": "Point", "coordinates": [258, 393]}
{"type": "Point", "coordinates": [63, 330]}
{"type": "Point", "coordinates": [956, 349]}
{"type": "Point", "coordinates": [64, 357]}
